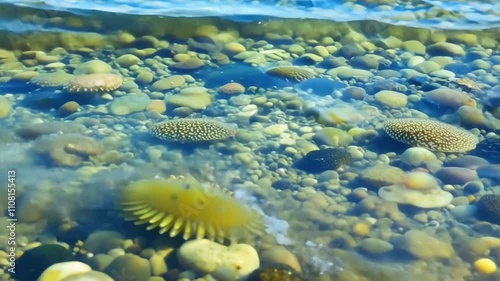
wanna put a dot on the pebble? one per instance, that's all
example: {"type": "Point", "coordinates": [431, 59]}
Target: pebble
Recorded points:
{"type": "Point", "coordinates": [129, 104]}
{"type": "Point", "coordinates": [425, 246]}
{"type": "Point", "coordinates": [456, 175]}
{"type": "Point", "coordinates": [225, 263]}
{"type": "Point", "coordinates": [5, 107]}
{"type": "Point", "coordinates": [232, 88]}
{"type": "Point", "coordinates": [417, 156]}
{"type": "Point", "coordinates": [129, 267]}
{"type": "Point", "coordinates": [375, 246]}
{"type": "Point", "coordinates": [195, 98]}
{"type": "Point", "coordinates": [391, 99]}
{"type": "Point", "coordinates": [168, 83]}
{"type": "Point", "coordinates": [103, 241]}
{"type": "Point", "coordinates": [66, 109]}
{"type": "Point", "coordinates": [445, 49]}
{"type": "Point", "coordinates": [92, 66]}
{"type": "Point", "coordinates": [59, 271]}
{"type": "Point", "coordinates": [127, 60]}
{"type": "Point", "coordinates": [333, 137]}
{"type": "Point", "coordinates": [89, 276]}
{"type": "Point", "coordinates": [276, 129]}
{"type": "Point", "coordinates": [485, 266]}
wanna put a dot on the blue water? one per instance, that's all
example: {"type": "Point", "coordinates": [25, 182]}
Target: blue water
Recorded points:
{"type": "Point", "coordinates": [473, 14]}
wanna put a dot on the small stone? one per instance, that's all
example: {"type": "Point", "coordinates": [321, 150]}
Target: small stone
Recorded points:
{"type": "Point", "coordinates": [34, 261]}
{"type": "Point", "coordinates": [157, 106]}
{"type": "Point", "coordinates": [127, 60]}
{"type": "Point", "coordinates": [233, 48]}
{"type": "Point", "coordinates": [158, 265]}
{"type": "Point", "coordinates": [445, 49]}
{"type": "Point", "coordinates": [375, 246]}
{"type": "Point", "coordinates": [418, 156]}
{"type": "Point", "coordinates": [232, 88]}
{"type": "Point", "coordinates": [92, 66]}
{"type": "Point", "coordinates": [69, 108]}
{"type": "Point", "coordinates": [5, 107]}
{"type": "Point", "coordinates": [189, 64]}
{"type": "Point", "coordinates": [356, 93]}
{"type": "Point", "coordinates": [59, 271]}
{"type": "Point", "coordinates": [89, 276]}
{"type": "Point", "coordinates": [103, 241]}
{"type": "Point", "coordinates": [129, 104]}
{"type": "Point", "coordinates": [456, 175]}
{"type": "Point", "coordinates": [382, 175]}
{"type": "Point", "coordinates": [333, 137]}
{"type": "Point", "coordinates": [391, 99]}
{"type": "Point", "coordinates": [275, 130]}
{"type": "Point", "coordinates": [130, 268]}
{"type": "Point", "coordinates": [195, 98]}
{"type": "Point", "coordinates": [168, 83]}
{"type": "Point", "coordinates": [234, 262]}
{"type": "Point", "coordinates": [424, 246]}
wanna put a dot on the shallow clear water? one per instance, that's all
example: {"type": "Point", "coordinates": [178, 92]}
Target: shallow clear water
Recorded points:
{"type": "Point", "coordinates": [70, 147]}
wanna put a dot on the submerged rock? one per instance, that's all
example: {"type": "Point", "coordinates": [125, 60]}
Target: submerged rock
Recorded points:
{"type": "Point", "coordinates": [322, 160]}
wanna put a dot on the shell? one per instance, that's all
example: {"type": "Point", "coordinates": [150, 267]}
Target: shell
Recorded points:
{"type": "Point", "coordinates": [431, 134]}
{"type": "Point", "coordinates": [191, 130]}
{"type": "Point", "coordinates": [293, 73]}
{"type": "Point", "coordinates": [96, 82]}
{"type": "Point", "coordinates": [183, 205]}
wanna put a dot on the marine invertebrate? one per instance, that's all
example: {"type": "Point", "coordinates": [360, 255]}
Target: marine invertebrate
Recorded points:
{"type": "Point", "coordinates": [96, 82]}
{"type": "Point", "coordinates": [430, 134]}
{"type": "Point", "coordinates": [318, 161]}
{"type": "Point", "coordinates": [488, 208]}
{"type": "Point", "coordinates": [183, 205]}
{"type": "Point", "coordinates": [191, 130]}
{"type": "Point", "coordinates": [293, 73]}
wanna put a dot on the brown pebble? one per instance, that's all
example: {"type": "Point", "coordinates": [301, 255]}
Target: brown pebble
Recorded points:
{"type": "Point", "coordinates": [69, 107]}
{"type": "Point", "coordinates": [232, 88]}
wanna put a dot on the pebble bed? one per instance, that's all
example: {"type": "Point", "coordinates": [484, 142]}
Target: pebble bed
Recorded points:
{"type": "Point", "coordinates": [299, 123]}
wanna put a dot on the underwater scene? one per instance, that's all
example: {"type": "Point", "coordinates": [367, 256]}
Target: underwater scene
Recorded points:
{"type": "Point", "coordinates": [237, 140]}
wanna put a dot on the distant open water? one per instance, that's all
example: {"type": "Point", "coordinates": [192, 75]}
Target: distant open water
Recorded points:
{"type": "Point", "coordinates": [470, 14]}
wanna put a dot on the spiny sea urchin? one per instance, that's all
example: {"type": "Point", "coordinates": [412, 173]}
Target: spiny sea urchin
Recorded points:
{"type": "Point", "coordinates": [183, 205]}
{"type": "Point", "coordinates": [430, 134]}
{"type": "Point", "coordinates": [96, 82]}
{"type": "Point", "coordinates": [293, 73]}
{"type": "Point", "coordinates": [191, 130]}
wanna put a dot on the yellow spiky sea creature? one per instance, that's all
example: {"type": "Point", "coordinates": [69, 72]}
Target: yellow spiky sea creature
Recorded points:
{"type": "Point", "coordinates": [183, 205]}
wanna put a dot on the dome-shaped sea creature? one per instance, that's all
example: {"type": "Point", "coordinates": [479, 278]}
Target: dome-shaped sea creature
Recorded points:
{"type": "Point", "coordinates": [183, 205]}
{"type": "Point", "coordinates": [318, 161]}
{"type": "Point", "coordinates": [488, 208]}
{"type": "Point", "coordinates": [430, 134]}
{"type": "Point", "coordinates": [292, 73]}
{"type": "Point", "coordinates": [96, 82]}
{"type": "Point", "coordinates": [191, 130]}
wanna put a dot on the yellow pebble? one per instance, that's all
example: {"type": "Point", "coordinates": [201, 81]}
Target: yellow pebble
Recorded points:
{"type": "Point", "coordinates": [485, 266]}
{"type": "Point", "coordinates": [158, 106]}
{"type": "Point", "coordinates": [361, 228]}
